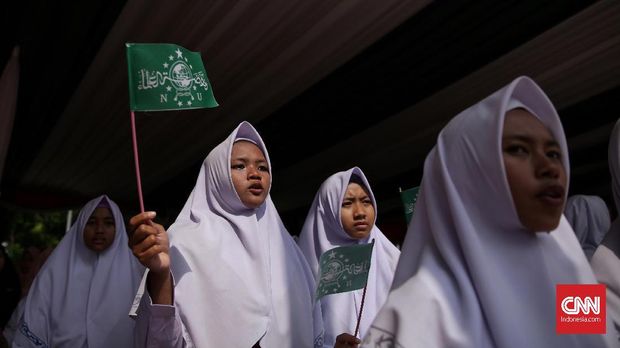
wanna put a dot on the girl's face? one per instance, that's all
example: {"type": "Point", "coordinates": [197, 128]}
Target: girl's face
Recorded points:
{"type": "Point", "coordinates": [100, 230]}
{"type": "Point", "coordinates": [357, 213]}
{"type": "Point", "coordinates": [250, 173]}
{"type": "Point", "coordinates": [536, 175]}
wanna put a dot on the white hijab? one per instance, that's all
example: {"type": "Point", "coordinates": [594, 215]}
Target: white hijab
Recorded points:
{"type": "Point", "coordinates": [606, 259]}
{"type": "Point", "coordinates": [323, 231]}
{"type": "Point", "coordinates": [589, 217]}
{"type": "Point", "coordinates": [240, 277]}
{"type": "Point", "coordinates": [80, 298]}
{"type": "Point", "coordinates": [470, 275]}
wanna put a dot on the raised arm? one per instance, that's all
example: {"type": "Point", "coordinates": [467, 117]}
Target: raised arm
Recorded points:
{"type": "Point", "coordinates": [149, 244]}
{"type": "Point", "coordinates": [158, 323]}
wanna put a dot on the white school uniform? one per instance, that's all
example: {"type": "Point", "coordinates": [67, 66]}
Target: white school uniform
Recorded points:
{"type": "Point", "coordinates": [470, 274]}
{"type": "Point", "coordinates": [323, 231]}
{"type": "Point", "coordinates": [240, 278]}
{"type": "Point", "coordinates": [81, 298]}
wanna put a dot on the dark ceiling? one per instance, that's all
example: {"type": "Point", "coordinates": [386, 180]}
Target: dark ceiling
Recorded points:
{"type": "Point", "coordinates": [329, 85]}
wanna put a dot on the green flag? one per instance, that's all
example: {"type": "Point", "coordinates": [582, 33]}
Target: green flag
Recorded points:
{"type": "Point", "coordinates": [167, 77]}
{"type": "Point", "coordinates": [344, 269]}
{"type": "Point", "coordinates": [409, 198]}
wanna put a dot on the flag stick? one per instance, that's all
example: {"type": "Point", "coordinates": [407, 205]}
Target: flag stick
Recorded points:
{"type": "Point", "coordinates": [359, 317]}
{"type": "Point", "coordinates": [136, 160]}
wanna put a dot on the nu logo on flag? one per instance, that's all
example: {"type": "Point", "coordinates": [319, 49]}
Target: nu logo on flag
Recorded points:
{"type": "Point", "coordinates": [344, 269]}
{"type": "Point", "coordinates": [166, 77]}
{"type": "Point", "coordinates": [580, 309]}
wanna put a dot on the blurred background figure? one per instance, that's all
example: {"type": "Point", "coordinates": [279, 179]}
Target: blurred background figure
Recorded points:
{"type": "Point", "coordinates": [90, 275]}
{"type": "Point", "coordinates": [606, 259]}
{"type": "Point", "coordinates": [589, 217]}
{"type": "Point", "coordinates": [32, 259]}
{"type": "Point", "coordinates": [9, 290]}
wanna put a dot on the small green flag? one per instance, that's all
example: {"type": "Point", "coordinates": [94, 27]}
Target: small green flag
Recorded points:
{"type": "Point", "coordinates": [344, 269]}
{"type": "Point", "coordinates": [409, 198]}
{"type": "Point", "coordinates": [167, 77]}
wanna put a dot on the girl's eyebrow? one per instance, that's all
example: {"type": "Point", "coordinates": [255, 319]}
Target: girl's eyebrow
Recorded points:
{"type": "Point", "coordinates": [353, 197]}
{"type": "Point", "coordinates": [521, 137]}
{"type": "Point", "coordinates": [529, 139]}
{"type": "Point", "coordinates": [245, 159]}
{"type": "Point", "coordinates": [552, 142]}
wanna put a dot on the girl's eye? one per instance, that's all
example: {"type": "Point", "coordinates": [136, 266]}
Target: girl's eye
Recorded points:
{"type": "Point", "coordinates": [238, 166]}
{"type": "Point", "coordinates": [90, 222]}
{"type": "Point", "coordinates": [346, 203]}
{"type": "Point", "coordinates": [555, 155]}
{"type": "Point", "coordinates": [516, 150]}
{"type": "Point", "coordinates": [367, 201]}
{"type": "Point", "coordinates": [263, 169]}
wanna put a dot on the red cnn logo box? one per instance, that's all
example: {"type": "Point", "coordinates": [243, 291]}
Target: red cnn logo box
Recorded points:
{"type": "Point", "coordinates": [580, 309]}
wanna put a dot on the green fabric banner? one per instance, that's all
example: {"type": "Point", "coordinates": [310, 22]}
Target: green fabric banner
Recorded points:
{"type": "Point", "coordinates": [409, 198]}
{"type": "Point", "coordinates": [344, 269]}
{"type": "Point", "coordinates": [167, 77]}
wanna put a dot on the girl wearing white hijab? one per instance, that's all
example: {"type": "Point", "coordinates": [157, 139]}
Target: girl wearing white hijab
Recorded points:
{"type": "Point", "coordinates": [344, 213]}
{"type": "Point", "coordinates": [83, 292]}
{"type": "Point", "coordinates": [488, 244]}
{"type": "Point", "coordinates": [589, 217]}
{"type": "Point", "coordinates": [239, 278]}
{"type": "Point", "coordinates": [606, 259]}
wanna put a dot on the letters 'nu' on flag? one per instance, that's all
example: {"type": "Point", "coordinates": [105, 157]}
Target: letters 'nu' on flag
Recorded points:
{"type": "Point", "coordinates": [409, 198]}
{"type": "Point", "coordinates": [344, 269]}
{"type": "Point", "coordinates": [167, 77]}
